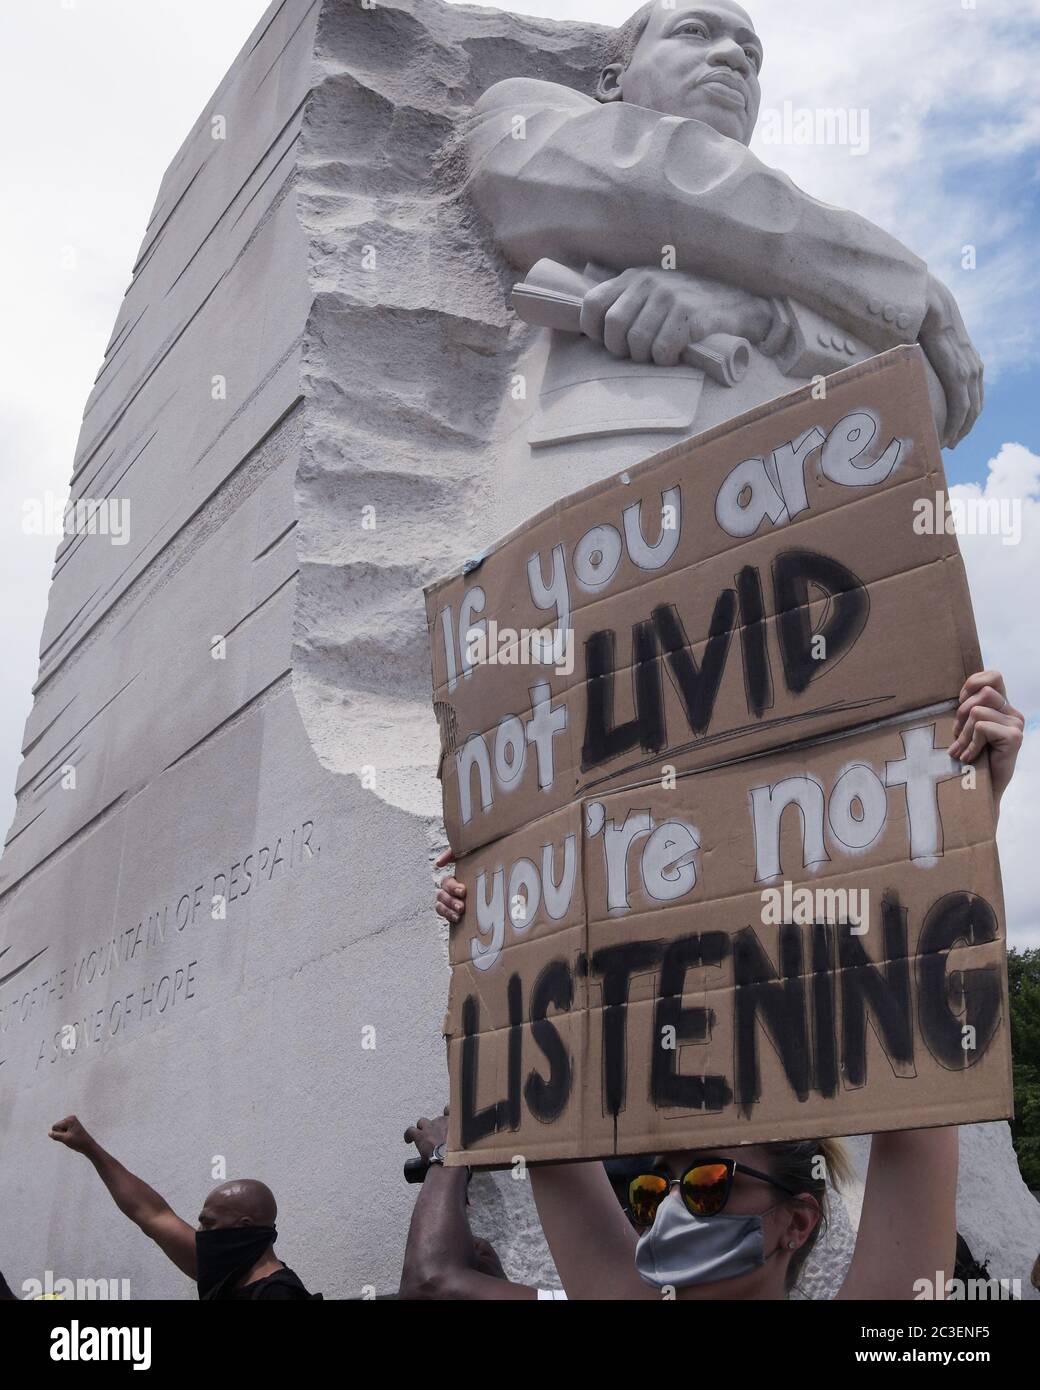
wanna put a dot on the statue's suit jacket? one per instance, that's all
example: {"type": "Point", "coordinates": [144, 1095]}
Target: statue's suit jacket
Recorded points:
{"type": "Point", "coordinates": [558, 174]}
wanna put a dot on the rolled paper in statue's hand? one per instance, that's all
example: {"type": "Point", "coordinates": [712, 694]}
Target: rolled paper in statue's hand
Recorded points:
{"type": "Point", "coordinates": [552, 295]}
{"type": "Point", "coordinates": [723, 357]}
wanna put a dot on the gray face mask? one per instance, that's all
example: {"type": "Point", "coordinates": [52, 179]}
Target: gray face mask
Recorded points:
{"type": "Point", "coordinates": [680, 1248]}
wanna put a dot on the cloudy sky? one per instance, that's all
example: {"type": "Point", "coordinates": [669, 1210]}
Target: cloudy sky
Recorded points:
{"type": "Point", "coordinates": [97, 95]}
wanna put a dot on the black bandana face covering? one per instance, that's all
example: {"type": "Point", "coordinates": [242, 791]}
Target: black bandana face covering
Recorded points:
{"type": "Point", "coordinates": [223, 1255]}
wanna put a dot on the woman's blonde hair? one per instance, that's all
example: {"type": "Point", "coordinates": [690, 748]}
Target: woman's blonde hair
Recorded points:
{"type": "Point", "coordinates": [839, 1165]}
{"type": "Point", "coordinates": [797, 1163]}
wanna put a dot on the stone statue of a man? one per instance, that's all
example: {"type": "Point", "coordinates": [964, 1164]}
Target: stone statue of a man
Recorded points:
{"type": "Point", "coordinates": [647, 197]}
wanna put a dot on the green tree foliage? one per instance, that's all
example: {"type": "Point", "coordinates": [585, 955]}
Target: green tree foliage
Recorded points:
{"type": "Point", "coordinates": [1024, 990]}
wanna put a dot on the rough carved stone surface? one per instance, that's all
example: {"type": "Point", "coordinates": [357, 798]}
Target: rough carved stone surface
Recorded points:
{"type": "Point", "coordinates": [407, 359]}
{"type": "Point", "coordinates": [354, 379]}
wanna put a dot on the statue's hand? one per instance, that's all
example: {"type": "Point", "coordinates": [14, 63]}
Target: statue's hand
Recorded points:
{"type": "Point", "coordinates": [957, 365]}
{"type": "Point", "coordinates": [650, 315]}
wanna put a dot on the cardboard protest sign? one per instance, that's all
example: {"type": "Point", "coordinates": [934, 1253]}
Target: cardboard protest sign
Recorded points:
{"type": "Point", "coordinates": [725, 883]}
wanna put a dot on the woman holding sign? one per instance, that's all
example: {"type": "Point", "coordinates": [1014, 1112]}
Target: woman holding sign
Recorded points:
{"type": "Point", "coordinates": [740, 1223]}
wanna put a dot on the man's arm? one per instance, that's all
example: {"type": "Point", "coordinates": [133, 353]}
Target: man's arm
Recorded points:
{"type": "Point", "coordinates": [134, 1198]}
{"type": "Point", "coordinates": [559, 174]}
{"type": "Point", "coordinates": [440, 1258]}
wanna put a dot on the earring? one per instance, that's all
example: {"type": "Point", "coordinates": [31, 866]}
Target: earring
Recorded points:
{"type": "Point", "coordinates": [790, 1245]}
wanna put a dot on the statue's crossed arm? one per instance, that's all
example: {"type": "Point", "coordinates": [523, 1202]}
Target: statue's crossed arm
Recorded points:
{"type": "Point", "coordinates": [561, 175]}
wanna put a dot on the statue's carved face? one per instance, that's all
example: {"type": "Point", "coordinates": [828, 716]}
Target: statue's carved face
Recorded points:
{"type": "Point", "coordinates": [695, 60]}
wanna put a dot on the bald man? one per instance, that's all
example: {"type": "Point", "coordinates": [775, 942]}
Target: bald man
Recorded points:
{"type": "Point", "coordinates": [230, 1256]}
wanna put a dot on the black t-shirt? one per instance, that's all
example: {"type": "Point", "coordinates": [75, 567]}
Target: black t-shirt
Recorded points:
{"type": "Point", "coordinates": [283, 1283]}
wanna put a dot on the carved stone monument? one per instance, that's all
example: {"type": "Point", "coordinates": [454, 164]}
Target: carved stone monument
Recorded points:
{"type": "Point", "coordinates": [322, 391]}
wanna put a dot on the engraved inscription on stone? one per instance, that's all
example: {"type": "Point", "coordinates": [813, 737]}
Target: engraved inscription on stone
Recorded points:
{"type": "Point", "coordinates": [155, 956]}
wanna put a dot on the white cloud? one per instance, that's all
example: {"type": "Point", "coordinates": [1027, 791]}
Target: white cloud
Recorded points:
{"type": "Point", "coordinates": [1017, 840]}
{"type": "Point", "coordinates": [96, 98]}
{"type": "Point", "coordinates": [1005, 579]}
{"type": "Point", "coordinates": [1005, 587]}
{"type": "Point", "coordinates": [951, 95]}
